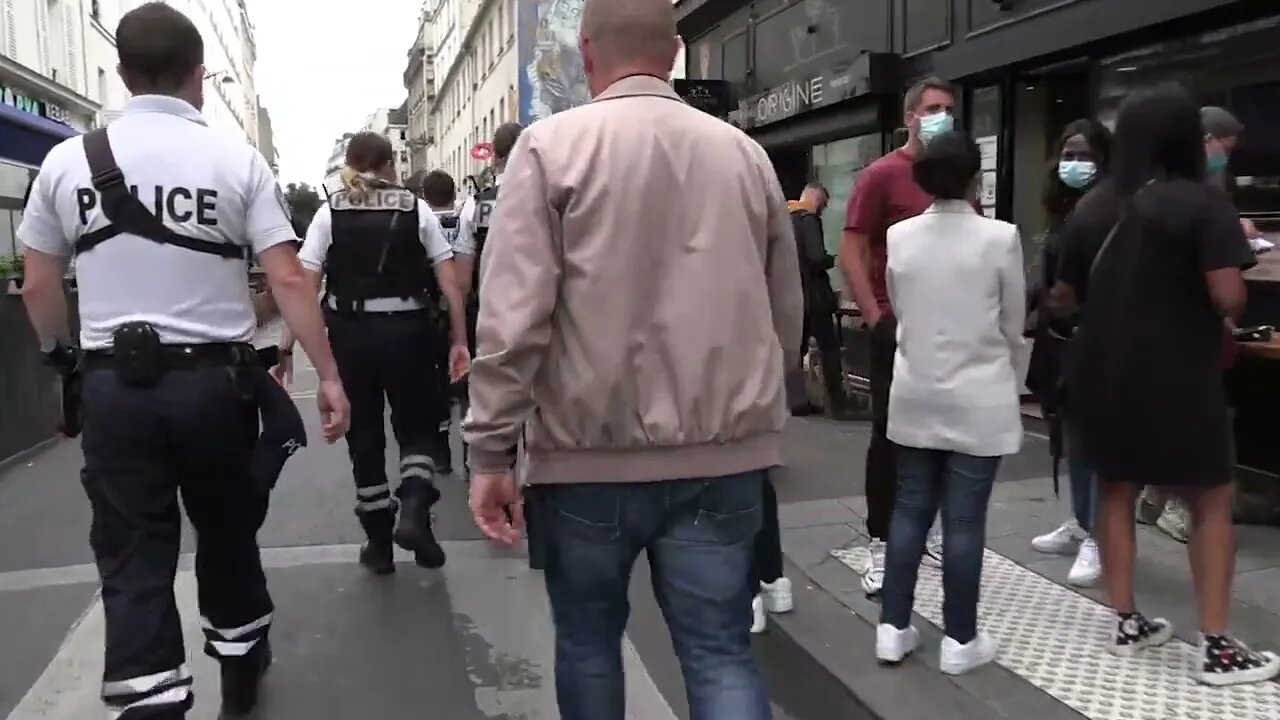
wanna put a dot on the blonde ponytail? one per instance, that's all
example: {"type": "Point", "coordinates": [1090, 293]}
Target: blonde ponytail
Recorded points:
{"type": "Point", "coordinates": [359, 185]}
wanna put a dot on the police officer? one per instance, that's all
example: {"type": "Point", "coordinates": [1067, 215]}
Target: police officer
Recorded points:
{"type": "Point", "coordinates": [161, 213]}
{"type": "Point", "coordinates": [441, 194]}
{"type": "Point", "coordinates": [386, 265]}
{"type": "Point", "coordinates": [476, 216]}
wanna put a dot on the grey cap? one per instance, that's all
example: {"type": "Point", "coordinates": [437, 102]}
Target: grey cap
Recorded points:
{"type": "Point", "coordinates": [1219, 122]}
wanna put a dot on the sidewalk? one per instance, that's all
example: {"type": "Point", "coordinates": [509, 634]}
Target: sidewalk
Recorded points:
{"type": "Point", "coordinates": [1052, 663]}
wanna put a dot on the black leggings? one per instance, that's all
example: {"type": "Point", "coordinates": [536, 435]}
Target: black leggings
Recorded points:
{"type": "Point", "coordinates": [766, 566]}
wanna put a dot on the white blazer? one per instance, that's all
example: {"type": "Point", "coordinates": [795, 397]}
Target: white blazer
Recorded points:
{"type": "Point", "coordinates": [958, 291]}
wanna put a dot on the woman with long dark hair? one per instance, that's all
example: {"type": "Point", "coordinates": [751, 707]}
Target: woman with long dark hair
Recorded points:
{"type": "Point", "coordinates": [1153, 256]}
{"type": "Point", "coordinates": [1080, 160]}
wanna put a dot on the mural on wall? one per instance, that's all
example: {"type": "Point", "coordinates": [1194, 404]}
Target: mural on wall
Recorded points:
{"type": "Point", "coordinates": [551, 72]}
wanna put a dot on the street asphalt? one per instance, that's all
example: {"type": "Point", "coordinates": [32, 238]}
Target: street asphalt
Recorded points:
{"type": "Point", "coordinates": [472, 641]}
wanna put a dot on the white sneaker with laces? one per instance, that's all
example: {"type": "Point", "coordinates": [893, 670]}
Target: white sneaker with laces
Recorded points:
{"type": "Point", "coordinates": [894, 645]}
{"type": "Point", "coordinates": [759, 621]}
{"type": "Point", "coordinates": [1175, 521]}
{"type": "Point", "coordinates": [1087, 568]}
{"type": "Point", "coordinates": [873, 578]}
{"type": "Point", "coordinates": [1063, 541]}
{"type": "Point", "coordinates": [777, 596]}
{"type": "Point", "coordinates": [958, 659]}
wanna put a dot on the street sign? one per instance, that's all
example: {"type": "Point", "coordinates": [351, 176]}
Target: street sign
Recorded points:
{"type": "Point", "coordinates": [482, 151]}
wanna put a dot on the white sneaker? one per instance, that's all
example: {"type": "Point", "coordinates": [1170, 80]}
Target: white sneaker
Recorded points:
{"type": "Point", "coordinates": [1087, 568]}
{"type": "Point", "coordinates": [958, 659]}
{"type": "Point", "coordinates": [777, 596]}
{"type": "Point", "coordinates": [1063, 541]}
{"type": "Point", "coordinates": [1175, 521]}
{"type": "Point", "coordinates": [759, 621]}
{"type": "Point", "coordinates": [873, 578]}
{"type": "Point", "coordinates": [894, 645]}
{"type": "Point", "coordinates": [933, 549]}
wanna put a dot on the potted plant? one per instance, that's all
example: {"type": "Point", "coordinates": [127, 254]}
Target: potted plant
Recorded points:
{"type": "Point", "coordinates": [11, 270]}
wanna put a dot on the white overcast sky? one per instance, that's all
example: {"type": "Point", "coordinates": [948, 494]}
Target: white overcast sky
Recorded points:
{"type": "Point", "coordinates": [323, 67]}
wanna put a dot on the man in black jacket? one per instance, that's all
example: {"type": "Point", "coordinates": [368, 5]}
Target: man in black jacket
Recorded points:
{"type": "Point", "coordinates": [819, 299]}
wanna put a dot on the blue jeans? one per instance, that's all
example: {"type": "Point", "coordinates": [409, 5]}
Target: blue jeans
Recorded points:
{"type": "Point", "coordinates": [961, 485]}
{"type": "Point", "coordinates": [1084, 485]}
{"type": "Point", "coordinates": [699, 536]}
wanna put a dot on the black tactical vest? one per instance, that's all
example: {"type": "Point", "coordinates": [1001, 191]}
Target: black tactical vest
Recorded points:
{"type": "Point", "coordinates": [377, 251]}
{"type": "Point", "coordinates": [486, 204]}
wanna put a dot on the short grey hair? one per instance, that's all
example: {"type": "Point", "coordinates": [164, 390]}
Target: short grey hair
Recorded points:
{"type": "Point", "coordinates": [1219, 122]}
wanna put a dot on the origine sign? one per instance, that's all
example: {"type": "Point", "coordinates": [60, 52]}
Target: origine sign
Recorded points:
{"type": "Point", "coordinates": [786, 100]}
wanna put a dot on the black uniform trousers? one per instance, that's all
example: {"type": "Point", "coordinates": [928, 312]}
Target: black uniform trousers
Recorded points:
{"type": "Point", "coordinates": [191, 436]}
{"type": "Point", "coordinates": [882, 467]}
{"type": "Point", "coordinates": [388, 358]}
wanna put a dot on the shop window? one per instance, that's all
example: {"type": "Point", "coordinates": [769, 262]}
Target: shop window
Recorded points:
{"type": "Point", "coordinates": [804, 38]}
{"type": "Point", "coordinates": [705, 62]}
{"type": "Point", "coordinates": [1237, 68]}
{"type": "Point", "coordinates": [836, 165]}
{"type": "Point", "coordinates": [734, 61]}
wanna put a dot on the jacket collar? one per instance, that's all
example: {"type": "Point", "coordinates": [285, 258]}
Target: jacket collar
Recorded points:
{"type": "Point", "coordinates": [951, 206]}
{"type": "Point", "coordinates": [165, 105]}
{"type": "Point", "coordinates": [638, 85]}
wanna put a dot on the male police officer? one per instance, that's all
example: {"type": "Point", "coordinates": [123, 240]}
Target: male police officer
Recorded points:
{"type": "Point", "coordinates": [476, 216]}
{"type": "Point", "coordinates": [386, 264]}
{"type": "Point", "coordinates": [161, 212]}
{"type": "Point", "coordinates": [441, 193]}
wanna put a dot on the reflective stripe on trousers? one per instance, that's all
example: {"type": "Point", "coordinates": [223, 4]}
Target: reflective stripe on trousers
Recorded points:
{"type": "Point", "coordinates": [234, 642]}
{"type": "Point", "coordinates": [374, 498]}
{"type": "Point", "coordinates": [126, 698]}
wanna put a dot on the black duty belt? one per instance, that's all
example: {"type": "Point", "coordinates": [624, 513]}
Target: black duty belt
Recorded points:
{"type": "Point", "coordinates": [180, 357]}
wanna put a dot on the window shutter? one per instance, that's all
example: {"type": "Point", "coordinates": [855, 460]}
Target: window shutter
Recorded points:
{"type": "Point", "coordinates": [69, 27]}
{"type": "Point", "coordinates": [42, 20]}
{"type": "Point", "coordinates": [10, 29]}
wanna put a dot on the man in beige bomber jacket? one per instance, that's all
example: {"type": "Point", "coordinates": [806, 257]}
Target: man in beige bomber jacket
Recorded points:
{"type": "Point", "coordinates": [641, 291]}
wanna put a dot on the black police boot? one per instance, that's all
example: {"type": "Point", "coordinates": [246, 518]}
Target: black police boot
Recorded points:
{"type": "Point", "coordinates": [414, 533]}
{"type": "Point", "coordinates": [242, 678]}
{"type": "Point", "coordinates": [377, 553]}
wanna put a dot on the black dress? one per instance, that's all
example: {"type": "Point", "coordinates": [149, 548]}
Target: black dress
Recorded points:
{"type": "Point", "coordinates": [1145, 374]}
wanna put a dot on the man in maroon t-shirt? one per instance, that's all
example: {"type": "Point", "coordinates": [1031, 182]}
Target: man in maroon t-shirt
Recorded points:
{"type": "Point", "coordinates": [886, 193]}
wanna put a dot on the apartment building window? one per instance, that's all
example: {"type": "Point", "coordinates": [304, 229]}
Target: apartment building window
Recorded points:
{"type": "Point", "coordinates": [492, 120]}
{"type": "Point", "coordinates": [102, 86]}
{"type": "Point", "coordinates": [502, 109]}
{"type": "Point", "coordinates": [502, 21]}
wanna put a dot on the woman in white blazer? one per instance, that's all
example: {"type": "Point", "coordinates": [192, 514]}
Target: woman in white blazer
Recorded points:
{"type": "Point", "coordinates": [956, 283]}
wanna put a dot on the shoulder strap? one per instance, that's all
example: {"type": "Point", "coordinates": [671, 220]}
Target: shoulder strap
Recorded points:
{"type": "Point", "coordinates": [127, 214]}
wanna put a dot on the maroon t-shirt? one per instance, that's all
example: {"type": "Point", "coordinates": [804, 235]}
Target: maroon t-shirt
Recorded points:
{"type": "Point", "coordinates": [885, 193]}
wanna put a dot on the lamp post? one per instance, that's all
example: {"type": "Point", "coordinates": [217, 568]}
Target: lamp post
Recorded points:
{"type": "Point", "coordinates": [226, 77]}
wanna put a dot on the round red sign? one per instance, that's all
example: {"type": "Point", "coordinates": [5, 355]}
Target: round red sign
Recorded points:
{"type": "Point", "coordinates": [483, 151]}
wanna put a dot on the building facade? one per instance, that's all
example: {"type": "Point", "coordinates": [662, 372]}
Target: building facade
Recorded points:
{"type": "Point", "coordinates": [230, 54]}
{"type": "Point", "coordinates": [419, 83]}
{"type": "Point", "coordinates": [819, 84]}
{"type": "Point", "coordinates": [267, 138]}
{"type": "Point", "coordinates": [477, 88]}
{"type": "Point", "coordinates": [103, 83]}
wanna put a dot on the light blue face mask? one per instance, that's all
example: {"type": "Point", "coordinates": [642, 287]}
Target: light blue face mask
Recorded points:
{"type": "Point", "coordinates": [931, 126]}
{"type": "Point", "coordinates": [1077, 174]}
{"type": "Point", "coordinates": [1217, 162]}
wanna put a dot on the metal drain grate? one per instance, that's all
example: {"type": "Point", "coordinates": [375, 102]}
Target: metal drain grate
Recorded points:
{"type": "Point", "coordinates": [1054, 638]}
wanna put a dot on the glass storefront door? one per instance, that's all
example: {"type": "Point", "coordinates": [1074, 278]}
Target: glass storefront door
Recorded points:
{"type": "Point", "coordinates": [836, 165]}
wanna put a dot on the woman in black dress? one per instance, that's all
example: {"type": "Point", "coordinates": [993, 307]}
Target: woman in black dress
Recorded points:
{"type": "Point", "coordinates": [1153, 257]}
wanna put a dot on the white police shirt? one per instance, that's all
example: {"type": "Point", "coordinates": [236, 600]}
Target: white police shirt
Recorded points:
{"type": "Point", "coordinates": [466, 244]}
{"type": "Point", "coordinates": [207, 184]}
{"type": "Point", "coordinates": [454, 233]}
{"type": "Point", "coordinates": [320, 236]}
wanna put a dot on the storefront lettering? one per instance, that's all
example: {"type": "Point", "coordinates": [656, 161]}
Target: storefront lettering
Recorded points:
{"type": "Point", "coordinates": [787, 100]}
{"type": "Point", "coordinates": [27, 104]}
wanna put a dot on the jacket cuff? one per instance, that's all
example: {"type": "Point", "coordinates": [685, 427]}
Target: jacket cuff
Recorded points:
{"type": "Point", "coordinates": [491, 462]}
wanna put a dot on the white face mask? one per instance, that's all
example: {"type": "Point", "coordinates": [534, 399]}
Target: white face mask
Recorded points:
{"type": "Point", "coordinates": [931, 126]}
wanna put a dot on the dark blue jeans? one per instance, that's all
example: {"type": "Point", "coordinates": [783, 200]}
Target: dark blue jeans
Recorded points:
{"type": "Point", "coordinates": [1084, 485]}
{"type": "Point", "coordinates": [961, 485]}
{"type": "Point", "coordinates": [699, 536]}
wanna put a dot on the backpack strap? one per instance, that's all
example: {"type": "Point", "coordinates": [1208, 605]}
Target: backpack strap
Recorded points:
{"type": "Point", "coordinates": [127, 213]}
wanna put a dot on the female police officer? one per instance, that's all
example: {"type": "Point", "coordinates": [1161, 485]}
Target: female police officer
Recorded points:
{"type": "Point", "coordinates": [386, 265]}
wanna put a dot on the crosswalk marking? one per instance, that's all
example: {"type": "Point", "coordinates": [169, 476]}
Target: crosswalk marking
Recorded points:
{"type": "Point", "coordinates": [515, 623]}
